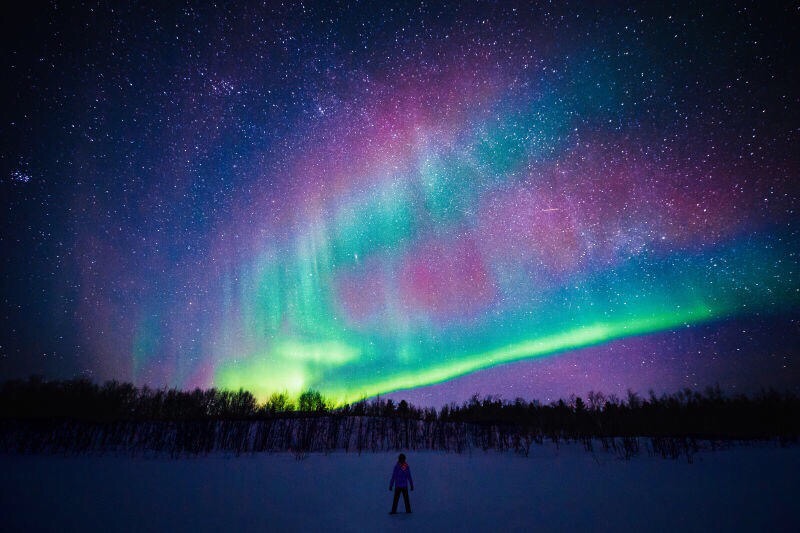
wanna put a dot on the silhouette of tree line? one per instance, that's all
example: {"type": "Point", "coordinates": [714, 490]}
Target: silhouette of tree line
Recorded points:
{"type": "Point", "coordinates": [79, 416]}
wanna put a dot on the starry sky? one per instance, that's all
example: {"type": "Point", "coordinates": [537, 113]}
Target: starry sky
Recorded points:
{"type": "Point", "coordinates": [420, 199]}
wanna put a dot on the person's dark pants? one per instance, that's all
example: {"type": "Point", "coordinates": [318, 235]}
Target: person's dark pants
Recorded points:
{"type": "Point", "coordinates": [404, 492]}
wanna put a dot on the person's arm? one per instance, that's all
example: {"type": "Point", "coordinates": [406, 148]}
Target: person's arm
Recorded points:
{"type": "Point", "coordinates": [410, 481]}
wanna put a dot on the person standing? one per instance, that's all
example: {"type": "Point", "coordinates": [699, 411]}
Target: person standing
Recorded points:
{"type": "Point", "coordinates": [401, 481]}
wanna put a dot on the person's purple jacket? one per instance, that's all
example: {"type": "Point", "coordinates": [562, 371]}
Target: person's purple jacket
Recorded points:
{"type": "Point", "coordinates": [401, 477]}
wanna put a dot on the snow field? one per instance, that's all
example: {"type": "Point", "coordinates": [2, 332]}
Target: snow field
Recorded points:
{"type": "Point", "coordinates": [745, 488]}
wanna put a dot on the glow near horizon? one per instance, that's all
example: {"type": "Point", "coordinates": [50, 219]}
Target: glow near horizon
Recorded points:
{"type": "Point", "coordinates": [578, 338]}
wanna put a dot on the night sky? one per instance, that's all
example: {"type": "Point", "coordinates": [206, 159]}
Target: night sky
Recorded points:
{"type": "Point", "coordinates": [504, 198]}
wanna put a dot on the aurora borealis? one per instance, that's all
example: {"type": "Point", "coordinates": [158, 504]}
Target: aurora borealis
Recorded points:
{"type": "Point", "coordinates": [371, 197]}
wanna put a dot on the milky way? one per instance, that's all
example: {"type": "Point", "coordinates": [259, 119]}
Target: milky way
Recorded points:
{"type": "Point", "coordinates": [368, 199]}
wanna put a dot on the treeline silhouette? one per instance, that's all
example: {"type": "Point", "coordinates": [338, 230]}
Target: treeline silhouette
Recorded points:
{"type": "Point", "coordinates": [79, 416]}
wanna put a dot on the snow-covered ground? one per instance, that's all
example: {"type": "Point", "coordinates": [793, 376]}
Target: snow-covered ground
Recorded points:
{"type": "Point", "coordinates": [745, 488]}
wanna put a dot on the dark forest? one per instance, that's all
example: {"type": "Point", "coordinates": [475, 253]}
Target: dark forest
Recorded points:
{"type": "Point", "coordinates": [78, 416]}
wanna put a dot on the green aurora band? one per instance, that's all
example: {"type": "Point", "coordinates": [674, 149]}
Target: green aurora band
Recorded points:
{"type": "Point", "coordinates": [637, 298]}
